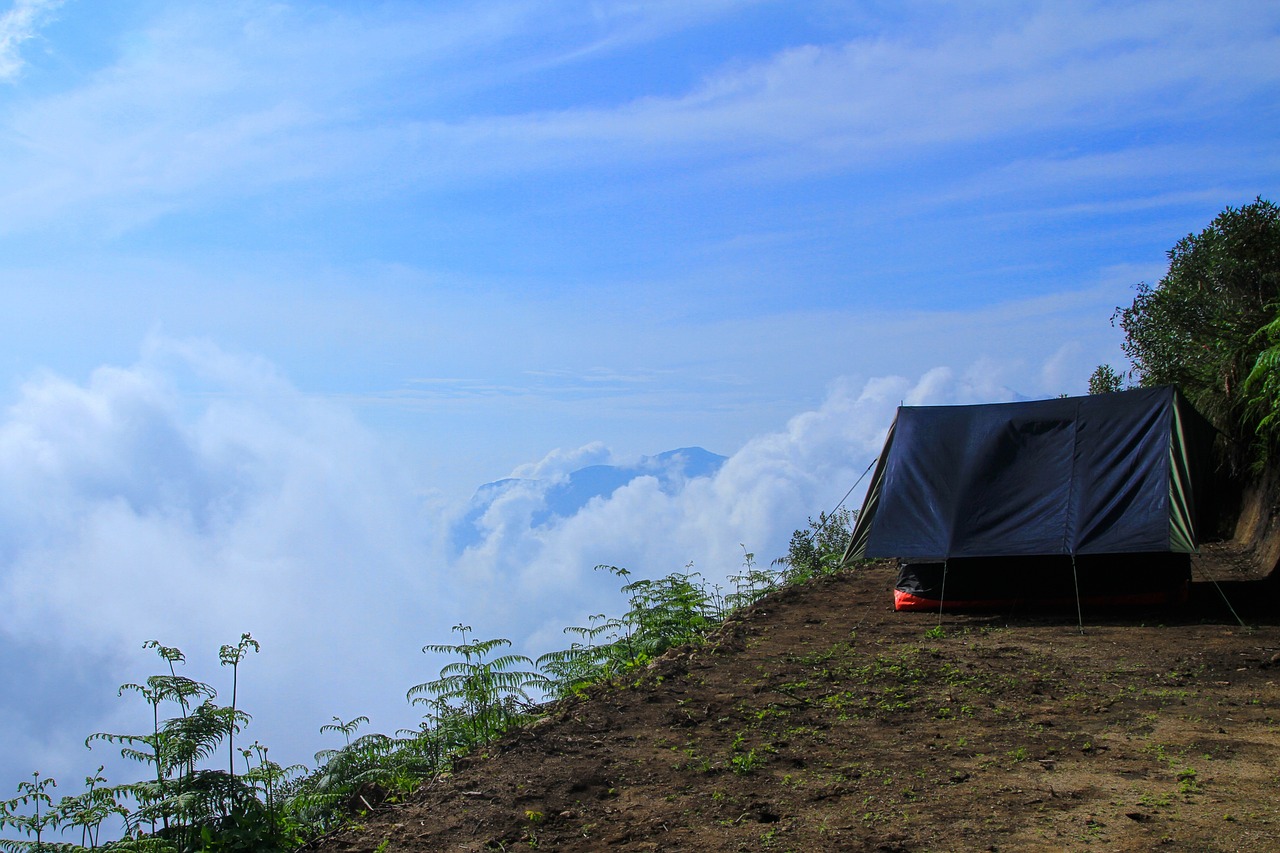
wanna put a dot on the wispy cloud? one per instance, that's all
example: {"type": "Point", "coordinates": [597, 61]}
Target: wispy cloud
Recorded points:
{"type": "Point", "coordinates": [18, 25]}
{"type": "Point", "coordinates": [224, 103]}
{"type": "Point", "coordinates": [863, 102]}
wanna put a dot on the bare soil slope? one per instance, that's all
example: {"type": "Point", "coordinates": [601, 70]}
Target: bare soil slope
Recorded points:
{"type": "Point", "coordinates": [822, 720]}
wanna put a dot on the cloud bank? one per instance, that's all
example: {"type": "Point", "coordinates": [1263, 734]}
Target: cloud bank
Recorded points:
{"type": "Point", "coordinates": [132, 511]}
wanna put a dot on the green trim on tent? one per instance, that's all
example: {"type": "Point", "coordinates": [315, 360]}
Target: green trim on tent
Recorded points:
{"type": "Point", "coordinates": [857, 546]}
{"type": "Point", "coordinates": [1182, 531]}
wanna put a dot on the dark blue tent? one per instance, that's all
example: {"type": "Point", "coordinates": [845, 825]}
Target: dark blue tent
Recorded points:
{"type": "Point", "coordinates": [982, 489]}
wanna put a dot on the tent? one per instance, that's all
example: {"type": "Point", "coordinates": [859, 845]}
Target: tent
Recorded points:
{"type": "Point", "coordinates": [1092, 498]}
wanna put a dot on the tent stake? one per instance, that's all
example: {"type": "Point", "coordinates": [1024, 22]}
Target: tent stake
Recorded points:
{"type": "Point", "coordinates": [1075, 577]}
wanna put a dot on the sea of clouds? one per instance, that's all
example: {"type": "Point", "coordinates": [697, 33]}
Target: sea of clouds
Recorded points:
{"type": "Point", "coordinates": [195, 495]}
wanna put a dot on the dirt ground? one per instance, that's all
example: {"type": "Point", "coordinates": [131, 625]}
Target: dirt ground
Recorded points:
{"type": "Point", "coordinates": [823, 720]}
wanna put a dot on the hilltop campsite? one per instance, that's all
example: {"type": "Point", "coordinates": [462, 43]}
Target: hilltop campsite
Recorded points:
{"type": "Point", "coordinates": [728, 426]}
{"type": "Point", "coordinates": [820, 719]}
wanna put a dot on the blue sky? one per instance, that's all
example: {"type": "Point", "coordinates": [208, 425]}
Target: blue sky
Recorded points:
{"type": "Point", "coordinates": [285, 282]}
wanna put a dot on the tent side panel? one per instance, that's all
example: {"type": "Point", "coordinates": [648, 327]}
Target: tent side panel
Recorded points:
{"type": "Point", "coordinates": [1084, 475]}
{"type": "Point", "coordinates": [1122, 472]}
{"type": "Point", "coordinates": [970, 481]}
{"type": "Point", "coordinates": [913, 516]}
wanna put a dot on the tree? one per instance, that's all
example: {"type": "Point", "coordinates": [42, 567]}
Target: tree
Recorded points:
{"type": "Point", "coordinates": [1104, 380]}
{"type": "Point", "coordinates": [1200, 327]}
{"type": "Point", "coordinates": [1263, 385]}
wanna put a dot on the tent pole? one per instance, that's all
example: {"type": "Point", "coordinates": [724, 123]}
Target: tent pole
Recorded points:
{"type": "Point", "coordinates": [1075, 577]}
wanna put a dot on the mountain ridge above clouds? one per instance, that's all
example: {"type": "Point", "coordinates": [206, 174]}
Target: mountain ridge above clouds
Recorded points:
{"type": "Point", "coordinates": [560, 497]}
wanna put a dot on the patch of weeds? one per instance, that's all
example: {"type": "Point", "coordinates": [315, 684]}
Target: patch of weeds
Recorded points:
{"type": "Point", "coordinates": [530, 836]}
{"type": "Point", "coordinates": [789, 781]}
{"type": "Point", "coordinates": [1092, 830]}
{"type": "Point", "coordinates": [695, 762]}
{"type": "Point", "coordinates": [871, 818]}
{"type": "Point", "coordinates": [1154, 802]}
{"type": "Point", "coordinates": [771, 711]}
{"type": "Point", "coordinates": [840, 649]}
{"type": "Point", "coordinates": [744, 762]}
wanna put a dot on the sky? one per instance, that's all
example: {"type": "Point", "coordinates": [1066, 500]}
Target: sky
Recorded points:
{"type": "Point", "coordinates": [285, 283]}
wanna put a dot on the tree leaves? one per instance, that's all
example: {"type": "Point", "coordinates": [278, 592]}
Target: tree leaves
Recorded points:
{"type": "Point", "coordinates": [1199, 327]}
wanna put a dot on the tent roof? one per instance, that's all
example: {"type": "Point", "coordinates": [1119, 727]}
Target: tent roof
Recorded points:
{"type": "Point", "coordinates": [1102, 474]}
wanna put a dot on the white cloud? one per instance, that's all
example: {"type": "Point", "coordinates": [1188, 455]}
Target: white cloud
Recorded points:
{"type": "Point", "coordinates": [19, 25]}
{"type": "Point", "coordinates": [886, 96]}
{"type": "Point", "coordinates": [130, 512]}
{"type": "Point", "coordinates": [232, 102]}
{"type": "Point", "coordinates": [133, 510]}
{"type": "Point", "coordinates": [560, 462]}
{"type": "Point", "coordinates": [762, 493]}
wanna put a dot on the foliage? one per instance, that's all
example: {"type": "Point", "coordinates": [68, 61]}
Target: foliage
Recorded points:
{"type": "Point", "coordinates": [1263, 384]}
{"type": "Point", "coordinates": [184, 804]}
{"type": "Point", "coordinates": [818, 549]}
{"type": "Point", "coordinates": [181, 805]}
{"type": "Point", "coordinates": [43, 815]}
{"type": "Point", "coordinates": [1104, 380]}
{"type": "Point", "coordinates": [346, 776]}
{"type": "Point", "coordinates": [478, 698]}
{"type": "Point", "coordinates": [662, 613]}
{"type": "Point", "coordinates": [1199, 327]}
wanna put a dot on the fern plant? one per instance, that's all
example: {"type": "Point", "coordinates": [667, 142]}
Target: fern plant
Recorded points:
{"type": "Point", "coordinates": [599, 655]}
{"type": "Point", "coordinates": [1263, 383]}
{"type": "Point", "coordinates": [182, 803]}
{"type": "Point", "coordinates": [90, 809]}
{"type": "Point", "coordinates": [667, 612]}
{"type": "Point", "coordinates": [488, 694]}
{"type": "Point", "coordinates": [320, 798]}
{"type": "Point", "coordinates": [231, 656]}
{"type": "Point", "coordinates": [43, 816]}
{"type": "Point", "coordinates": [751, 584]}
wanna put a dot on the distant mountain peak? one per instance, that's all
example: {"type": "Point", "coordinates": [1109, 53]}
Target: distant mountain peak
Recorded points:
{"type": "Point", "coordinates": [563, 497]}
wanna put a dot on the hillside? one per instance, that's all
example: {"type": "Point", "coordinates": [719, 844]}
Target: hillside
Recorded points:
{"type": "Point", "coordinates": [822, 720]}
